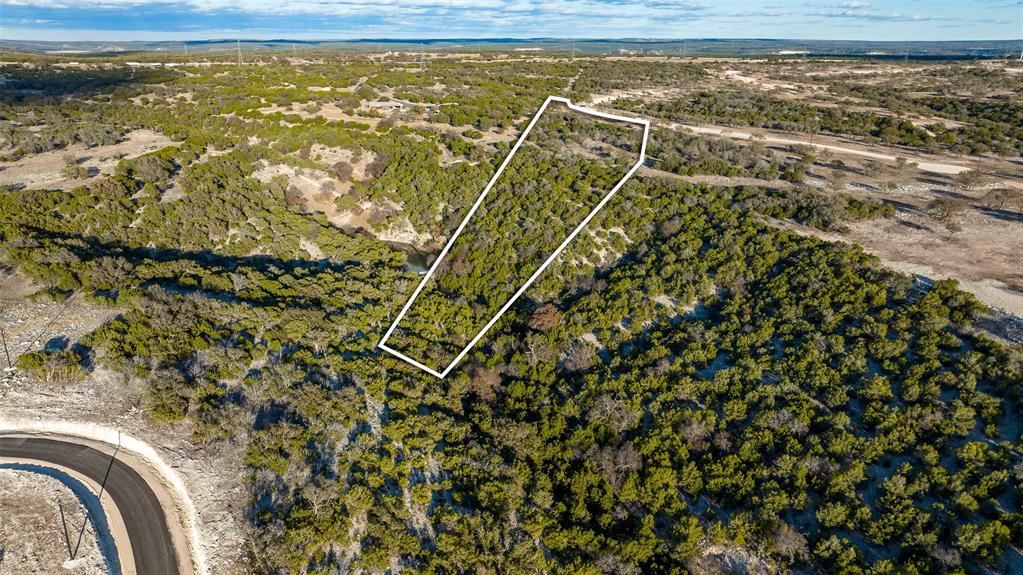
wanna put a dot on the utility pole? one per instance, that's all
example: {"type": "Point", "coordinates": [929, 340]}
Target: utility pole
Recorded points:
{"type": "Point", "coordinates": [573, 50]}
{"type": "Point", "coordinates": [238, 43]}
{"type": "Point", "coordinates": [3, 336]}
{"type": "Point", "coordinates": [63, 521]}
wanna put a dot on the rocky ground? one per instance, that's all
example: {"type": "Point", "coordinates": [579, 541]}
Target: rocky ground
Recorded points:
{"type": "Point", "coordinates": [31, 533]}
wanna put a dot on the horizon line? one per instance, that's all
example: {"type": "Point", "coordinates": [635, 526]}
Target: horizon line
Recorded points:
{"type": "Point", "coordinates": [630, 39]}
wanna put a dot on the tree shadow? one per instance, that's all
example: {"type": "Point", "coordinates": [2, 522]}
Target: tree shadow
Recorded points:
{"type": "Point", "coordinates": [254, 281]}
{"type": "Point", "coordinates": [905, 207]}
{"type": "Point", "coordinates": [914, 226]}
{"type": "Point", "coordinates": [932, 181]}
{"type": "Point", "coordinates": [29, 84]}
{"type": "Point", "coordinates": [1001, 214]}
{"type": "Point", "coordinates": [952, 195]}
{"type": "Point", "coordinates": [1000, 174]}
{"type": "Point", "coordinates": [59, 343]}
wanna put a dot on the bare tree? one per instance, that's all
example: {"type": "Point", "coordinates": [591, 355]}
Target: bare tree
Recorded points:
{"type": "Point", "coordinates": [948, 557]}
{"type": "Point", "coordinates": [615, 412]}
{"type": "Point", "coordinates": [581, 358]}
{"type": "Point", "coordinates": [695, 433]}
{"type": "Point", "coordinates": [617, 463]}
{"type": "Point", "coordinates": [614, 565]}
{"type": "Point", "coordinates": [485, 382]}
{"type": "Point", "coordinates": [545, 318]}
{"type": "Point", "coordinates": [343, 170]}
{"type": "Point", "coordinates": [789, 543]}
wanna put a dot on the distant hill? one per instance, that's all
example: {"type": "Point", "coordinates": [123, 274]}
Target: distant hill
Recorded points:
{"type": "Point", "coordinates": [691, 47]}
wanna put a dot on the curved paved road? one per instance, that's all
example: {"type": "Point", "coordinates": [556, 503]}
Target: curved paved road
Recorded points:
{"type": "Point", "coordinates": [139, 507]}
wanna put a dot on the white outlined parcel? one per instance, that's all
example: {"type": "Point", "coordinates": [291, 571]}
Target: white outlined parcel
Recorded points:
{"type": "Point", "coordinates": [426, 278]}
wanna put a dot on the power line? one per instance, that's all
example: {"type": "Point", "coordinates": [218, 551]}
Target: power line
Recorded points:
{"type": "Point", "coordinates": [102, 487]}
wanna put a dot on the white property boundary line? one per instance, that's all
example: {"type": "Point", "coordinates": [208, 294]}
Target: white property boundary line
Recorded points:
{"type": "Point", "coordinates": [642, 155]}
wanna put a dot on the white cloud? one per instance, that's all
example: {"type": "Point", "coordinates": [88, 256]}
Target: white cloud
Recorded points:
{"type": "Point", "coordinates": [316, 19]}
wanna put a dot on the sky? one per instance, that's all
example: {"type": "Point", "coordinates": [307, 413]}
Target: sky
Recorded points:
{"type": "Point", "coordinates": [124, 20]}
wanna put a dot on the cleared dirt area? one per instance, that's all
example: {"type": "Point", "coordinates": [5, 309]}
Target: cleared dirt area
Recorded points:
{"type": "Point", "coordinates": [327, 111]}
{"type": "Point", "coordinates": [362, 217]}
{"type": "Point", "coordinates": [717, 181]}
{"type": "Point", "coordinates": [653, 93]}
{"type": "Point", "coordinates": [317, 191]}
{"type": "Point", "coordinates": [984, 256]}
{"type": "Point", "coordinates": [764, 84]}
{"type": "Point", "coordinates": [32, 536]}
{"type": "Point", "coordinates": [42, 171]}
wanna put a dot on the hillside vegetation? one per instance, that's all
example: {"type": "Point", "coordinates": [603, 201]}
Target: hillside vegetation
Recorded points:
{"type": "Point", "coordinates": [713, 391]}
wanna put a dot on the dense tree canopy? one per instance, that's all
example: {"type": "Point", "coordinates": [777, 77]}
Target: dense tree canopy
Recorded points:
{"type": "Point", "coordinates": [709, 383]}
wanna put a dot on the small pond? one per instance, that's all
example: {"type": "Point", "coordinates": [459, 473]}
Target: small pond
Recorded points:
{"type": "Point", "coordinates": [415, 260]}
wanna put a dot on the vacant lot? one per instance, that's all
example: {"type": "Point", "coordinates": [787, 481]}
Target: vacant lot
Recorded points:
{"type": "Point", "coordinates": [43, 171]}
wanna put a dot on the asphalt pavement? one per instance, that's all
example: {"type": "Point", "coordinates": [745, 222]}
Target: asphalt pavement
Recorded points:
{"type": "Point", "coordinates": [139, 507]}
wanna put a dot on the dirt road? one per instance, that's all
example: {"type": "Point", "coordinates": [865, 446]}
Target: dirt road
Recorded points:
{"type": "Point", "coordinates": [738, 134]}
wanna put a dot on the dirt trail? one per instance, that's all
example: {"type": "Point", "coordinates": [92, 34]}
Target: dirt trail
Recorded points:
{"type": "Point", "coordinates": [931, 164]}
{"type": "Point", "coordinates": [738, 134]}
{"type": "Point", "coordinates": [716, 180]}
